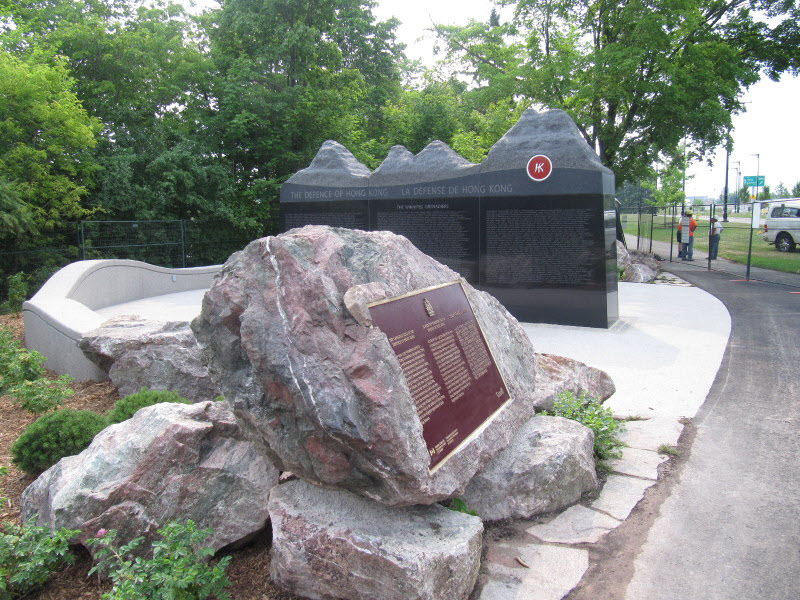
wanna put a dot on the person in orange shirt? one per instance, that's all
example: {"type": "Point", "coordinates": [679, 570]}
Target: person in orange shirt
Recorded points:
{"type": "Point", "coordinates": [687, 242]}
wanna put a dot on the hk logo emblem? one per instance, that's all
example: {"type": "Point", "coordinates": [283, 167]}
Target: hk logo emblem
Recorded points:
{"type": "Point", "coordinates": [539, 167]}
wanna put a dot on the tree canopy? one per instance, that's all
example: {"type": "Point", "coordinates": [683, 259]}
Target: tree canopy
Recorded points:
{"type": "Point", "coordinates": [129, 110]}
{"type": "Point", "coordinates": [639, 78]}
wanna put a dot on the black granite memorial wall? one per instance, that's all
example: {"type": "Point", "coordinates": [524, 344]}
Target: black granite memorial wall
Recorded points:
{"type": "Point", "coordinates": [537, 233]}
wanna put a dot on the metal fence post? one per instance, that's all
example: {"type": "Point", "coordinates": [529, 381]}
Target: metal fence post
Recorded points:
{"type": "Point", "coordinates": [82, 242]}
{"type": "Point", "coordinates": [183, 243]}
{"type": "Point", "coordinates": [671, 232]}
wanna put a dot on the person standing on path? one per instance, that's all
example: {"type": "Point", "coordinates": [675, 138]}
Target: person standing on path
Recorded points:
{"type": "Point", "coordinates": [688, 225]}
{"type": "Point", "coordinates": [713, 238]}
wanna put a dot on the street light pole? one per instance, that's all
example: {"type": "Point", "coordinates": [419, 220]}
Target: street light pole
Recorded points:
{"type": "Point", "coordinates": [725, 197]}
{"type": "Point", "coordinates": [738, 183]}
{"type": "Point", "coordinates": [758, 172]}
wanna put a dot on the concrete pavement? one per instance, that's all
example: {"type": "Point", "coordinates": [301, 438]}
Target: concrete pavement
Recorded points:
{"type": "Point", "coordinates": [663, 355]}
{"type": "Point", "coordinates": [731, 527]}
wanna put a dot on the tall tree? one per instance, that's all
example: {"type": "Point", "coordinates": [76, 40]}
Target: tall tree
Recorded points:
{"type": "Point", "coordinates": [46, 141]}
{"type": "Point", "coordinates": [293, 73]}
{"type": "Point", "coordinates": [637, 77]}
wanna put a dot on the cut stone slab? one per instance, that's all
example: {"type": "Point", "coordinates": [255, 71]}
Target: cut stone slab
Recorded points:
{"type": "Point", "coordinates": [548, 466]}
{"type": "Point", "coordinates": [333, 544]}
{"type": "Point", "coordinates": [554, 571]}
{"type": "Point", "coordinates": [651, 433]}
{"type": "Point", "coordinates": [576, 525]}
{"type": "Point", "coordinates": [168, 462]}
{"type": "Point", "coordinates": [328, 392]}
{"type": "Point", "coordinates": [620, 495]}
{"type": "Point", "coordinates": [637, 463]}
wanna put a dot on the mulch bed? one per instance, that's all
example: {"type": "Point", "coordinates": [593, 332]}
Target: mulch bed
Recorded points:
{"type": "Point", "coordinates": [249, 567]}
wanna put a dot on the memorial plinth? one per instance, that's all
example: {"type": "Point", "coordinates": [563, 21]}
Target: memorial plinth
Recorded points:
{"type": "Point", "coordinates": [533, 224]}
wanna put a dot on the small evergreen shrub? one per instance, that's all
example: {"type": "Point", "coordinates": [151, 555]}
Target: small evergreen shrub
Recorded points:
{"type": "Point", "coordinates": [54, 436]}
{"type": "Point", "coordinates": [595, 416]}
{"type": "Point", "coordinates": [126, 407]}
{"type": "Point", "coordinates": [29, 555]}
{"type": "Point", "coordinates": [177, 570]}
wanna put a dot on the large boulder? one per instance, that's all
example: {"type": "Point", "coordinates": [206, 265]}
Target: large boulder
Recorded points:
{"type": "Point", "coordinates": [329, 544]}
{"type": "Point", "coordinates": [139, 353]}
{"type": "Point", "coordinates": [326, 390]}
{"type": "Point", "coordinates": [168, 462]}
{"type": "Point", "coordinates": [558, 374]}
{"type": "Point", "coordinates": [547, 467]}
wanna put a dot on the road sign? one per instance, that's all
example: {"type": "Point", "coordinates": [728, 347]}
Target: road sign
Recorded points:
{"type": "Point", "coordinates": [753, 180]}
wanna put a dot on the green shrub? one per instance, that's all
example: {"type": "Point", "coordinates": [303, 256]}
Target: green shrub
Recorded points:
{"type": "Point", "coordinates": [54, 436]}
{"type": "Point", "coordinates": [17, 364]}
{"type": "Point", "coordinates": [177, 569]}
{"type": "Point", "coordinates": [126, 407]}
{"type": "Point", "coordinates": [595, 416]}
{"type": "Point", "coordinates": [41, 395]}
{"type": "Point", "coordinates": [17, 293]}
{"type": "Point", "coordinates": [29, 555]}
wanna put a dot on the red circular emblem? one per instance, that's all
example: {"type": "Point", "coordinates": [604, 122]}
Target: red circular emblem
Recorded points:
{"type": "Point", "coordinates": [539, 167]}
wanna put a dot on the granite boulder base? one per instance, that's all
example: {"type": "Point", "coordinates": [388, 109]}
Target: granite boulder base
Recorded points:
{"type": "Point", "coordinates": [168, 462]}
{"type": "Point", "coordinates": [329, 544]}
{"type": "Point", "coordinates": [326, 390]}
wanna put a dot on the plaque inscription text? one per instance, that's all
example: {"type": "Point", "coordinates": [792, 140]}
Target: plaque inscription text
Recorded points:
{"type": "Point", "coordinates": [448, 366]}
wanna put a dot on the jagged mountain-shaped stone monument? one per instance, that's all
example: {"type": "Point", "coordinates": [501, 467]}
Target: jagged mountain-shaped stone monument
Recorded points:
{"type": "Point", "coordinates": [533, 224]}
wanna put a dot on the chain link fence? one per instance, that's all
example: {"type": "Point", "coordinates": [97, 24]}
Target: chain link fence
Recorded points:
{"type": "Point", "coordinates": [176, 243]}
{"type": "Point", "coordinates": [743, 251]}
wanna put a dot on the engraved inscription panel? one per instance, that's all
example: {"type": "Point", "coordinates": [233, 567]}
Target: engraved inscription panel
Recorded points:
{"type": "Point", "coordinates": [448, 366]}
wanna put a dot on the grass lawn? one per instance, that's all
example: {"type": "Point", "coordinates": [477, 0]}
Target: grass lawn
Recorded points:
{"type": "Point", "coordinates": [733, 243]}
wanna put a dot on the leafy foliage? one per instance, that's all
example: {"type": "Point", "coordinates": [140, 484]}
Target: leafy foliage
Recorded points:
{"type": "Point", "coordinates": [177, 570]}
{"type": "Point", "coordinates": [637, 77]}
{"type": "Point", "coordinates": [41, 395]}
{"type": "Point", "coordinates": [126, 407]}
{"type": "Point", "coordinates": [17, 293]}
{"type": "Point", "coordinates": [29, 555]}
{"type": "Point", "coordinates": [460, 505]}
{"type": "Point", "coordinates": [54, 436]}
{"type": "Point", "coordinates": [595, 416]}
{"type": "Point", "coordinates": [17, 364]}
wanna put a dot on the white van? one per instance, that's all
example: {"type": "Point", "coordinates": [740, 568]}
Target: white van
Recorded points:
{"type": "Point", "coordinates": [782, 224]}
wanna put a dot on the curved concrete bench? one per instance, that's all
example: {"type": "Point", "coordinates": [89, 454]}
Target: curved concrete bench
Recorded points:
{"type": "Point", "coordinates": [84, 294]}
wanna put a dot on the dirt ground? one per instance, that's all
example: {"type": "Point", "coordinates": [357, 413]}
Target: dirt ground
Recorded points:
{"type": "Point", "coordinates": [249, 567]}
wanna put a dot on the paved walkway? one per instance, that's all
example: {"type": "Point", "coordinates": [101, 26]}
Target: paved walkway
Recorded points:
{"type": "Point", "coordinates": [663, 355]}
{"type": "Point", "coordinates": [731, 527]}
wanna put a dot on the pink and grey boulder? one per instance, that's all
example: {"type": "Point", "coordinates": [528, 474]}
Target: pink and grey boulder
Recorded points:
{"type": "Point", "coordinates": [286, 342]}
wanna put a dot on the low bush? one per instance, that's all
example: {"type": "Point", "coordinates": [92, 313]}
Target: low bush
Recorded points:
{"type": "Point", "coordinates": [29, 555]}
{"type": "Point", "coordinates": [17, 293]}
{"type": "Point", "coordinates": [177, 569]}
{"type": "Point", "coordinates": [591, 413]}
{"type": "Point", "coordinates": [126, 407]}
{"type": "Point", "coordinates": [41, 395]}
{"type": "Point", "coordinates": [17, 364]}
{"type": "Point", "coordinates": [54, 436]}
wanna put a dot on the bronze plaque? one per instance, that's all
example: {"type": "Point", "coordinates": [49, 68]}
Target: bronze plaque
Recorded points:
{"type": "Point", "coordinates": [448, 366]}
